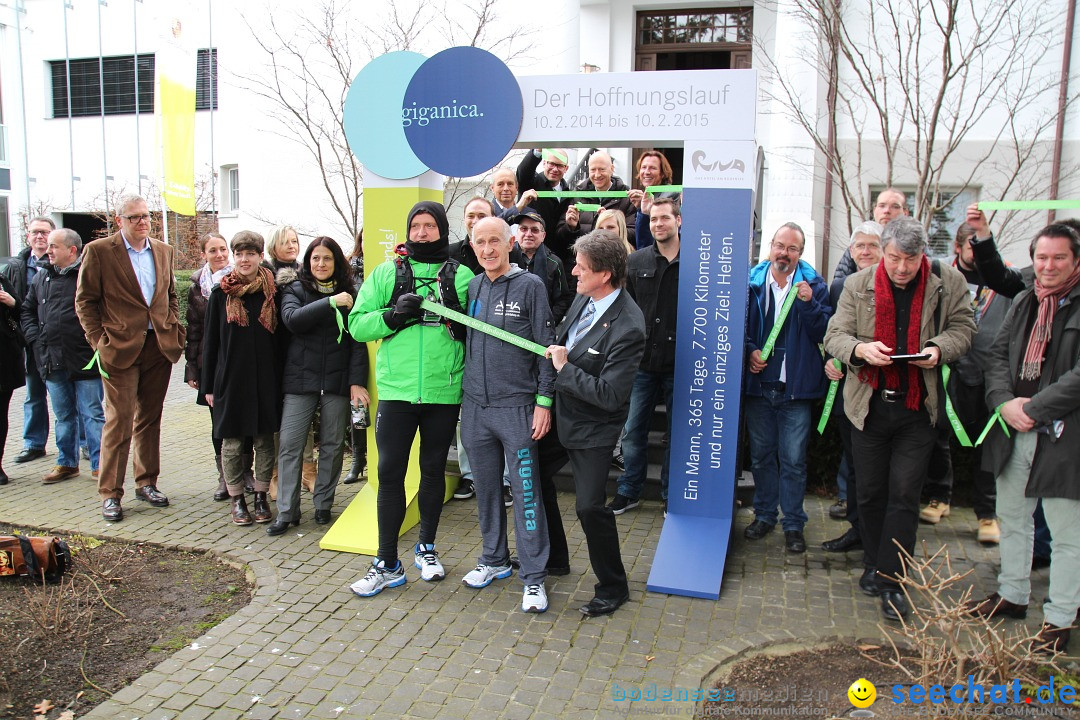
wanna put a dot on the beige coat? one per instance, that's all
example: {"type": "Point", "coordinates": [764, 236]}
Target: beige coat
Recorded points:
{"type": "Point", "coordinates": [853, 323]}
{"type": "Point", "coordinates": [111, 307]}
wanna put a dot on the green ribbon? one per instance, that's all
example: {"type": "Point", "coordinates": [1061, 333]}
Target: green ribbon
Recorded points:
{"type": "Point", "coordinates": [96, 360]}
{"type": "Point", "coordinates": [954, 420]}
{"type": "Point", "coordinates": [337, 316]}
{"type": "Point", "coordinates": [996, 417]}
{"type": "Point", "coordinates": [1030, 205]}
{"type": "Point", "coordinates": [766, 351]}
{"type": "Point", "coordinates": [826, 412]}
{"type": "Point", "coordinates": [481, 326]}
{"type": "Point", "coordinates": [559, 194]}
{"type": "Point", "coordinates": [552, 154]}
{"type": "Point", "coordinates": [587, 207]}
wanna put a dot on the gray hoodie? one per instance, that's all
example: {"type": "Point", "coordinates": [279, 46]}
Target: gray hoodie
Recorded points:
{"type": "Point", "coordinates": [498, 374]}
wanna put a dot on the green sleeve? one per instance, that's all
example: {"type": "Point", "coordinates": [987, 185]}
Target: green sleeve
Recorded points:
{"type": "Point", "coordinates": [366, 317]}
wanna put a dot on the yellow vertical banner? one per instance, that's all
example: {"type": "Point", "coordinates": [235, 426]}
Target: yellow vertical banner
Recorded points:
{"type": "Point", "coordinates": [176, 67]}
{"type": "Point", "coordinates": [386, 211]}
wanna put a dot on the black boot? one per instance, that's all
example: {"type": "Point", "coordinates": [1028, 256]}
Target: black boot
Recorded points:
{"type": "Point", "coordinates": [248, 460]}
{"type": "Point", "coordinates": [359, 457]}
{"type": "Point", "coordinates": [262, 508]}
{"type": "Point", "coordinates": [240, 514]}
{"type": "Point", "coordinates": [222, 493]}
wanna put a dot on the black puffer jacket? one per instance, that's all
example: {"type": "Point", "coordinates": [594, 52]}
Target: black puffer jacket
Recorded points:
{"type": "Point", "coordinates": [51, 327]}
{"type": "Point", "coordinates": [587, 218]}
{"type": "Point", "coordinates": [315, 361]}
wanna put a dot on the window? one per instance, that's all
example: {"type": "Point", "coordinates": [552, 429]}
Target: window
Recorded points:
{"type": "Point", "coordinates": [683, 27]}
{"type": "Point", "coordinates": [946, 221]}
{"type": "Point", "coordinates": [230, 188]}
{"type": "Point", "coordinates": [5, 223]}
{"type": "Point", "coordinates": [118, 74]}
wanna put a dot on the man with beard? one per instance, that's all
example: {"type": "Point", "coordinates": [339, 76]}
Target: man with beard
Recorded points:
{"type": "Point", "coordinates": [781, 387]}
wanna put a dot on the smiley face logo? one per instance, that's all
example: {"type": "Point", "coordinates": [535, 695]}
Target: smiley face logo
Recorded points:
{"type": "Point", "coordinates": [862, 693]}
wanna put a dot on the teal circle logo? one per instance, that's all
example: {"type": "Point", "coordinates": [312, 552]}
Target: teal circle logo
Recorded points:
{"type": "Point", "coordinates": [457, 113]}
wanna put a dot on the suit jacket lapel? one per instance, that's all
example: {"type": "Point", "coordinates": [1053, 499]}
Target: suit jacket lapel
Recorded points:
{"type": "Point", "coordinates": [161, 267]}
{"type": "Point", "coordinates": [123, 265]}
{"type": "Point", "coordinates": [570, 318]}
{"type": "Point", "coordinates": [597, 330]}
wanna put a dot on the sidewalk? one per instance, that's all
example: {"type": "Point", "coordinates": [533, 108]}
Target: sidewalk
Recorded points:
{"type": "Point", "coordinates": [306, 647]}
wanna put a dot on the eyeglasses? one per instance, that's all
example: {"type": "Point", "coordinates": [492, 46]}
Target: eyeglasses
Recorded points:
{"type": "Point", "coordinates": [522, 230]}
{"type": "Point", "coordinates": [792, 249]}
{"type": "Point", "coordinates": [556, 165]}
{"type": "Point", "coordinates": [136, 218]}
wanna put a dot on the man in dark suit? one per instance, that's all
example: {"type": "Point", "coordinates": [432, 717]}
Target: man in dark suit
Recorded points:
{"type": "Point", "coordinates": [599, 345]}
{"type": "Point", "coordinates": [126, 302]}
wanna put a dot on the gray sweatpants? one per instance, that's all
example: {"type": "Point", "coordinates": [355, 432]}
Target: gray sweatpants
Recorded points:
{"type": "Point", "coordinates": [494, 435]}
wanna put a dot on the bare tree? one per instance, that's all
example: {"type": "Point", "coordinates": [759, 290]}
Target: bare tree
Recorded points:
{"type": "Point", "coordinates": [313, 55]}
{"type": "Point", "coordinates": [941, 95]}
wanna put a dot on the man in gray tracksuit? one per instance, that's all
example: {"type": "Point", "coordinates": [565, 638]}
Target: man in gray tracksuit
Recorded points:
{"type": "Point", "coordinates": [506, 409]}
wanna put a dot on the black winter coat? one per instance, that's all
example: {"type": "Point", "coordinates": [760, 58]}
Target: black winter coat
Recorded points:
{"type": "Point", "coordinates": [196, 320]}
{"type": "Point", "coordinates": [315, 361]}
{"type": "Point", "coordinates": [587, 218]}
{"type": "Point", "coordinates": [548, 267]}
{"type": "Point", "coordinates": [51, 327]}
{"type": "Point", "coordinates": [12, 359]}
{"type": "Point", "coordinates": [240, 368]}
{"type": "Point", "coordinates": [653, 282]}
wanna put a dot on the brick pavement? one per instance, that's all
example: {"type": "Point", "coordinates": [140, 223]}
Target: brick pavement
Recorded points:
{"type": "Point", "coordinates": [306, 647]}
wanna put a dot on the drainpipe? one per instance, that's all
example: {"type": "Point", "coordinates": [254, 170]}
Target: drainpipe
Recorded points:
{"type": "Point", "coordinates": [1063, 93]}
{"type": "Point", "coordinates": [830, 153]}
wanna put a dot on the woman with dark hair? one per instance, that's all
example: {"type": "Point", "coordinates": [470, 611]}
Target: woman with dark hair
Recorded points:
{"type": "Point", "coordinates": [241, 376]}
{"type": "Point", "coordinates": [357, 436]}
{"type": "Point", "coordinates": [652, 169]}
{"type": "Point", "coordinates": [12, 367]}
{"type": "Point", "coordinates": [325, 369]}
{"type": "Point", "coordinates": [215, 253]}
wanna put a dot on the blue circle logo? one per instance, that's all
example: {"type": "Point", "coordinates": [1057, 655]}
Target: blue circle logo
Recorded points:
{"type": "Point", "coordinates": [457, 113]}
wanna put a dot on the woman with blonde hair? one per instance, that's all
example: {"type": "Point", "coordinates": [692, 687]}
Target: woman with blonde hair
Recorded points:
{"type": "Point", "coordinates": [283, 247]}
{"type": "Point", "coordinates": [615, 221]}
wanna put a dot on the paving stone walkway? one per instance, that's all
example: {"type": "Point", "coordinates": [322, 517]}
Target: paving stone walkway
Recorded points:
{"type": "Point", "coordinates": [306, 647]}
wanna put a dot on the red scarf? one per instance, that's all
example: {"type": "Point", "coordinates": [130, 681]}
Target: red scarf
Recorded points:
{"type": "Point", "coordinates": [885, 332]}
{"type": "Point", "coordinates": [1031, 368]}
{"type": "Point", "coordinates": [235, 287]}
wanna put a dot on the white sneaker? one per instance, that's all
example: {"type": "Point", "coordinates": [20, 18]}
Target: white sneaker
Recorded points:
{"type": "Point", "coordinates": [427, 561]}
{"type": "Point", "coordinates": [534, 599]}
{"type": "Point", "coordinates": [379, 577]}
{"type": "Point", "coordinates": [484, 574]}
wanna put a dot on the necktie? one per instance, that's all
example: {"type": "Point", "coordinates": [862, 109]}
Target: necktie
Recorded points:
{"type": "Point", "coordinates": [584, 322]}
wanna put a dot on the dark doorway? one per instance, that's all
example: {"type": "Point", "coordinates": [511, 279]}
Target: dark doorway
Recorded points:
{"type": "Point", "coordinates": [90, 227]}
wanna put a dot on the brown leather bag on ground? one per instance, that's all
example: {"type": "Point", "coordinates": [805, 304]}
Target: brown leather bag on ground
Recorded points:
{"type": "Point", "coordinates": [46, 559]}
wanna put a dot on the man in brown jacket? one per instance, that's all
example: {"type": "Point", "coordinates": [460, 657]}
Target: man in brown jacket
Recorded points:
{"type": "Point", "coordinates": [128, 308]}
{"type": "Point", "coordinates": [903, 306]}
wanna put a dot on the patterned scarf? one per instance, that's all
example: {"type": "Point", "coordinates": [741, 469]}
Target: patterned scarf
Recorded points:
{"type": "Point", "coordinates": [885, 332]}
{"type": "Point", "coordinates": [1031, 368]}
{"type": "Point", "coordinates": [235, 287]}
{"type": "Point", "coordinates": [208, 279]}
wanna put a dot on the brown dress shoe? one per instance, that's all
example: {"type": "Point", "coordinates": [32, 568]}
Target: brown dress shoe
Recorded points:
{"type": "Point", "coordinates": [262, 512]}
{"type": "Point", "coordinates": [240, 514]}
{"type": "Point", "coordinates": [150, 494]}
{"type": "Point", "coordinates": [997, 606]}
{"type": "Point", "coordinates": [58, 473]}
{"type": "Point", "coordinates": [1051, 639]}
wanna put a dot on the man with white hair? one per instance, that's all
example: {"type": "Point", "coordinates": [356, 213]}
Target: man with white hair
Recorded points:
{"type": "Point", "coordinates": [602, 178]}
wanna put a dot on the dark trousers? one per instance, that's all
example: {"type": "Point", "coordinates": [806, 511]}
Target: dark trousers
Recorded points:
{"type": "Point", "coordinates": [5, 402]}
{"type": "Point", "coordinates": [552, 457]}
{"type": "Point", "coordinates": [891, 454]}
{"type": "Point", "coordinates": [846, 428]}
{"type": "Point", "coordinates": [971, 409]}
{"type": "Point", "coordinates": [590, 467]}
{"type": "Point", "coordinates": [396, 424]}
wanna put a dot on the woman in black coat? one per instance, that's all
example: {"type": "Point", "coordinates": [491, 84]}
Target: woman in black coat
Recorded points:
{"type": "Point", "coordinates": [215, 253]}
{"type": "Point", "coordinates": [325, 369]}
{"type": "Point", "coordinates": [241, 376]}
{"type": "Point", "coordinates": [12, 360]}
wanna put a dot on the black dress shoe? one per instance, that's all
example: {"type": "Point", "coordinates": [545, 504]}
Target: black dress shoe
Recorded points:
{"type": "Point", "coordinates": [280, 525]}
{"type": "Point", "coordinates": [602, 606]}
{"type": "Point", "coordinates": [851, 540]}
{"type": "Point", "coordinates": [757, 530]}
{"type": "Point", "coordinates": [894, 605]}
{"type": "Point", "coordinates": [794, 541]}
{"type": "Point", "coordinates": [3, 477]}
{"type": "Point", "coordinates": [150, 494]}
{"type": "Point", "coordinates": [322, 517]}
{"type": "Point", "coordinates": [868, 583]}
{"type": "Point", "coordinates": [30, 454]}
{"type": "Point", "coordinates": [111, 510]}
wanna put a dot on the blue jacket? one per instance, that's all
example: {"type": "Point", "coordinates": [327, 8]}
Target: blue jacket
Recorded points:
{"type": "Point", "coordinates": [806, 326]}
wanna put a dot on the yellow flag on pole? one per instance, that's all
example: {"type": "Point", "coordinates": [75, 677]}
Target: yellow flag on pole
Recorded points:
{"type": "Point", "coordinates": [176, 69]}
